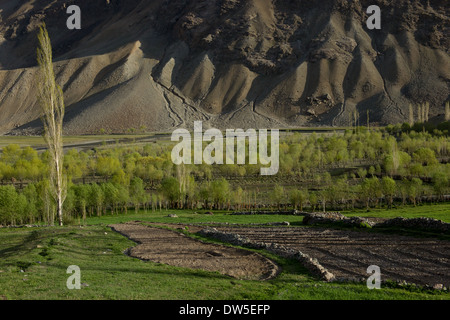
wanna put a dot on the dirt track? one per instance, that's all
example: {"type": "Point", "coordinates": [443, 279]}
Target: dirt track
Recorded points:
{"type": "Point", "coordinates": [173, 248]}
{"type": "Point", "coordinates": [348, 254]}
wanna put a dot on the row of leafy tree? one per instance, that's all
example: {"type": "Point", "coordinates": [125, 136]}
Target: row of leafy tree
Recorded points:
{"type": "Point", "coordinates": [374, 163]}
{"type": "Point", "coordinates": [410, 155]}
{"type": "Point", "coordinates": [33, 204]}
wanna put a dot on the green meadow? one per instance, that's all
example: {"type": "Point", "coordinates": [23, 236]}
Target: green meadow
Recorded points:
{"type": "Point", "coordinates": [34, 262]}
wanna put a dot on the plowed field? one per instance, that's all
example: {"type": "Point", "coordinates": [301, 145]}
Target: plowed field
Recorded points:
{"type": "Point", "coordinates": [348, 254]}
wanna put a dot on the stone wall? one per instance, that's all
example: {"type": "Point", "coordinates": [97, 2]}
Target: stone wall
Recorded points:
{"type": "Point", "coordinates": [336, 218]}
{"type": "Point", "coordinates": [267, 212]}
{"type": "Point", "coordinates": [425, 224]}
{"type": "Point", "coordinates": [309, 263]}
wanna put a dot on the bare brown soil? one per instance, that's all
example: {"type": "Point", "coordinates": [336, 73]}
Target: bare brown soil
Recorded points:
{"type": "Point", "coordinates": [175, 249]}
{"type": "Point", "coordinates": [348, 254]}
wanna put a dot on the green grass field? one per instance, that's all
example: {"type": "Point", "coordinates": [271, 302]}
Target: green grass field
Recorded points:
{"type": "Point", "coordinates": [435, 211]}
{"type": "Point", "coordinates": [34, 261]}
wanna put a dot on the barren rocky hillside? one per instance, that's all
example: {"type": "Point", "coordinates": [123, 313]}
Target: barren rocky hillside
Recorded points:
{"type": "Point", "coordinates": [160, 64]}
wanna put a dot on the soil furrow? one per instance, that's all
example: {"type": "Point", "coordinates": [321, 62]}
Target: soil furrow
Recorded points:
{"type": "Point", "coordinates": [173, 248]}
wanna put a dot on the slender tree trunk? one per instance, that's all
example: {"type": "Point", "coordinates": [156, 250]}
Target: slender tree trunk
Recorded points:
{"type": "Point", "coordinates": [60, 211]}
{"type": "Point", "coordinates": [52, 104]}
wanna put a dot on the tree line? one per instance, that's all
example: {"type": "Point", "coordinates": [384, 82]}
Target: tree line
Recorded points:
{"type": "Point", "coordinates": [363, 168]}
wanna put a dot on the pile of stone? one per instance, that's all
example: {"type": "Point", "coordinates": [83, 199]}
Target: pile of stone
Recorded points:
{"type": "Point", "coordinates": [425, 224]}
{"type": "Point", "coordinates": [325, 217]}
{"type": "Point", "coordinates": [336, 218]}
{"type": "Point", "coordinates": [310, 263]}
{"type": "Point", "coordinates": [265, 212]}
{"type": "Point", "coordinates": [253, 224]}
{"type": "Point", "coordinates": [27, 226]}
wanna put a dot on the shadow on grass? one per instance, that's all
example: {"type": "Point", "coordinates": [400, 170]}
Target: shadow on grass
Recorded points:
{"type": "Point", "coordinates": [25, 247]}
{"type": "Point", "coordinates": [149, 269]}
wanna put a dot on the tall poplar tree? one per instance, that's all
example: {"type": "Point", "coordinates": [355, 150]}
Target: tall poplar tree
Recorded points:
{"type": "Point", "coordinates": [52, 105]}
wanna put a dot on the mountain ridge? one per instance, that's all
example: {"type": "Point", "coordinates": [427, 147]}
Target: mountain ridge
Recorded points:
{"type": "Point", "coordinates": [161, 65]}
